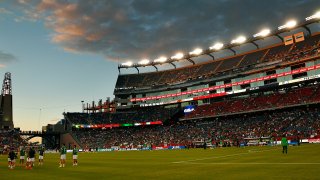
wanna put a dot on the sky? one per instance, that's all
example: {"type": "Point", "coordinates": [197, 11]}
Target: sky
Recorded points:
{"type": "Point", "coordinates": [62, 52]}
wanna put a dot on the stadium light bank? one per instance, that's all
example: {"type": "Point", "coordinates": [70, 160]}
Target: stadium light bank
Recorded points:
{"type": "Point", "coordinates": [128, 64]}
{"type": "Point", "coordinates": [289, 25]}
{"type": "Point", "coordinates": [315, 16]}
{"type": "Point", "coordinates": [144, 62]}
{"type": "Point", "coordinates": [216, 46]}
{"type": "Point", "coordinates": [240, 40]}
{"type": "Point", "coordinates": [161, 60]}
{"type": "Point", "coordinates": [197, 51]}
{"type": "Point", "coordinates": [263, 33]}
{"type": "Point", "coordinates": [178, 56]}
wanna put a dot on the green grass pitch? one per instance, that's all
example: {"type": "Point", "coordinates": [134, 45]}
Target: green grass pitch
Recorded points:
{"type": "Point", "coordinates": [301, 162]}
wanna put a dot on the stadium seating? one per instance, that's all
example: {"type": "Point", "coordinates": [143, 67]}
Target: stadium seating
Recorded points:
{"type": "Point", "coordinates": [148, 114]}
{"type": "Point", "coordinates": [303, 122]}
{"type": "Point", "coordinates": [252, 58]}
{"type": "Point", "coordinates": [229, 63]}
{"type": "Point", "coordinates": [282, 53]}
{"type": "Point", "coordinates": [10, 139]}
{"type": "Point", "coordinates": [277, 53]}
{"type": "Point", "coordinates": [291, 97]}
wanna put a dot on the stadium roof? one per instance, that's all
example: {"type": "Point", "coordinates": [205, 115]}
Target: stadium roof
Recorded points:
{"type": "Point", "coordinates": [290, 25]}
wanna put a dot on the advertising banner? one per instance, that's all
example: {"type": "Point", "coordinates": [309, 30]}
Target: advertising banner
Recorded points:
{"type": "Point", "coordinates": [159, 147]}
{"type": "Point", "coordinates": [288, 40]}
{"type": "Point", "coordinates": [298, 37]}
{"type": "Point", "coordinates": [317, 140]}
{"type": "Point", "coordinates": [189, 109]}
{"type": "Point", "coordinates": [176, 147]}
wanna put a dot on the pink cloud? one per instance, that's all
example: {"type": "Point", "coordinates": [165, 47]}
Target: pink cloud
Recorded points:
{"type": "Point", "coordinates": [139, 29]}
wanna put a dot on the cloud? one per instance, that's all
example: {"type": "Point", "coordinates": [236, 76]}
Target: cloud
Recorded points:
{"type": "Point", "coordinates": [6, 58]}
{"type": "Point", "coordinates": [137, 29]}
{"type": "Point", "coordinates": [5, 11]}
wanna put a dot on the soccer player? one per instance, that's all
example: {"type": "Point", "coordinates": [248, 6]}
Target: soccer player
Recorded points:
{"type": "Point", "coordinates": [12, 156]}
{"type": "Point", "coordinates": [271, 141]}
{"type": "Point", "coordinates": [22, 155]}
{"type": "Point", "coordinates": [75, 155]}
{"type": "Point", "coordinates": [9, 160]}
{"type": "Point", "coordinates": [204, 145]}
{"type": "Point", "coordinates": [284, 143]}
{"type": "Point", "coordinates": [41, 153]}
{"type": "Point", "coordinates": [31, 155]}
{"type": "Point", "coordinates": [28, 163]}
{"type": "Point", "coordinates": [63, 152]}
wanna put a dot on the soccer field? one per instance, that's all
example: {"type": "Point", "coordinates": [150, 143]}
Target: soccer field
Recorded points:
{"type": "Point", "coordinates": [301, 162]}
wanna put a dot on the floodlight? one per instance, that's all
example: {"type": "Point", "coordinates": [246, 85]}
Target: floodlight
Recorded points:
{"type": "Point", "coordinates": [178, 56]}
{"type": "Point", "coordinates": [129, 63]}
{"type": "Point", "coordinates": [144, 62]}
{"type": "Point", "coordinates": [263, 33]}
{"type": "Point", "coordinates": [161, 59]}
{"type": "Point", "coordinates": [315, 16]}
{"type": "Point", "coordinates": [239, 40]}
{"type": "Point", "coordinates": [216, 46]}
{"type": "Point", "coordinates": [196, 51]}
{"type": "Point", "coordinates": [289, 24]}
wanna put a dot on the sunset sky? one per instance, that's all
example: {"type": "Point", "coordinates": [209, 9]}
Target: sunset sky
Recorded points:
{"type": "Point", "coordinates": [61, 52]}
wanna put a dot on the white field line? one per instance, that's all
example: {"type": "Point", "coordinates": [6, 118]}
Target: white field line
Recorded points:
{"type": "Point", "coordinates": [249, 163]}
{"type": "Point", "coordinates": [218, 157]}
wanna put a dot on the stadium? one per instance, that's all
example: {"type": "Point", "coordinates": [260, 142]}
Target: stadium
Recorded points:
{"type": "Point", "coordinates": [221, 117]}
{"type": "Point", "coordinates": [210, 96]}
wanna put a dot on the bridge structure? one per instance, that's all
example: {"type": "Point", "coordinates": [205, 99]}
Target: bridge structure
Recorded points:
{"type": "Point", "coordinates": [50, 139]}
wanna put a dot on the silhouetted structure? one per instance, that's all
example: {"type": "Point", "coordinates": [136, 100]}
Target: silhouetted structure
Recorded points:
{"type": "Point", "coordinates": [6, 121]}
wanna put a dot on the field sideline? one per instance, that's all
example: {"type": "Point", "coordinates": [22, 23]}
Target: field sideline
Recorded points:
{"type": "Point", "coordinates": [301, 162]}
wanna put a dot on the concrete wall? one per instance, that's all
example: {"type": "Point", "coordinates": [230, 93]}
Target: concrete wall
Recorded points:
{"type": "Point", "coordinates": [69, 141]}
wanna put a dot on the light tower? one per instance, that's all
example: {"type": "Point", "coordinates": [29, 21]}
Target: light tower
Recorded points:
{"type": "Point", "coordinates": [6, 121]}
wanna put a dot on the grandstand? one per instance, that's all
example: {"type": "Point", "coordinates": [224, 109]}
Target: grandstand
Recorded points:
{"type": "Point", "coordinates": [192, 81]}
{"type": "Point", "coordinates": [297, 123]}
{"type": "Point", "coordinates": [263, 92]}
{"type": "Point", "coordinates": [10, 139]}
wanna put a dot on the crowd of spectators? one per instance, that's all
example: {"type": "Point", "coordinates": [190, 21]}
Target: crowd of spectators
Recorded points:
{"type": "Point", "coordinates": [146, 114]}
{"type": "Point", "coordinates": [301, 122]}
{"type": "Point", "coordinates": [261, 102]}
{"type": "Point", "coordinates": [10, 139]}
{"type": "Point", "coordinates": [281, 53]}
